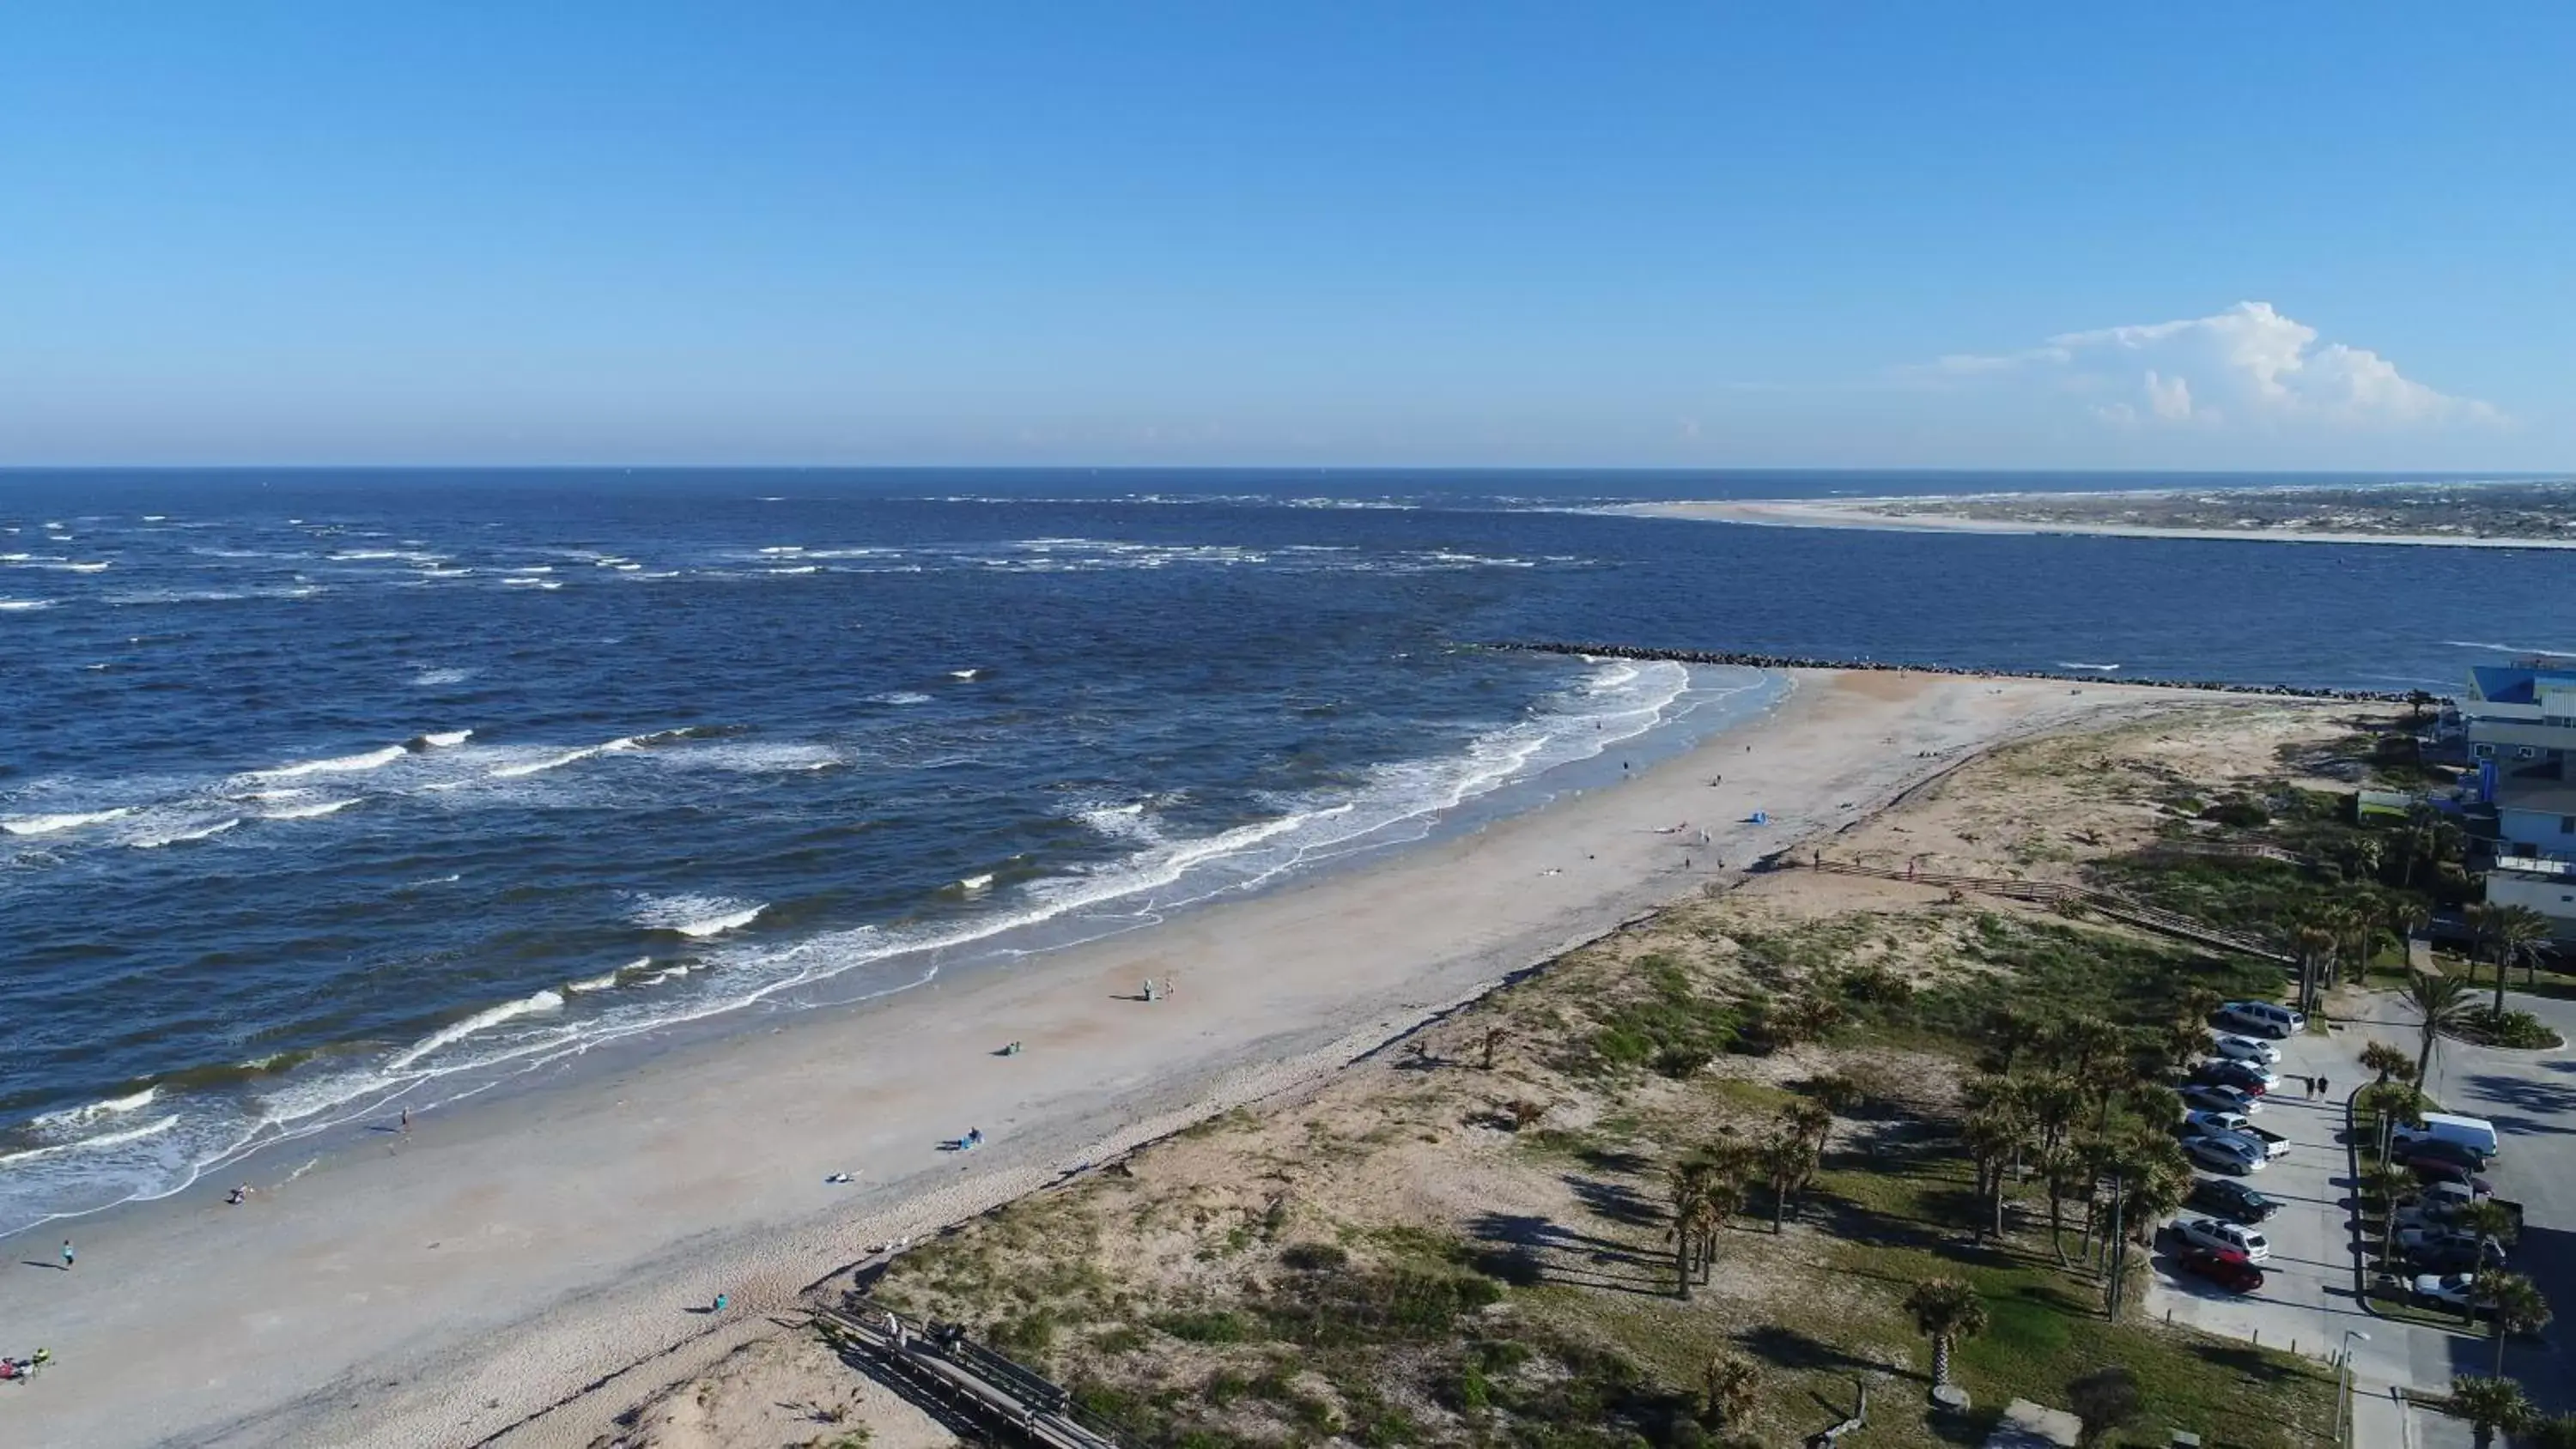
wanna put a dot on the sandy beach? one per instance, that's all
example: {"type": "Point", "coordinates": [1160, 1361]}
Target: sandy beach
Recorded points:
{"type": "Point", "coordinates": [476, 1279]}
{"type": "Point", "coordinates": [1859, 513]}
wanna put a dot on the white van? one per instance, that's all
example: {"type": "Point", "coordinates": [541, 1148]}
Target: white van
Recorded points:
{"type": "Point", "coordinates": [2476, 1134]}
{"type": "Point", "coordinates": [2263, 1018]}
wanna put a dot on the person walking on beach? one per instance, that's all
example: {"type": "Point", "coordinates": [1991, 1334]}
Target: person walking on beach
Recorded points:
{"type": "Point", "coordinates": [406, 1121]}
{"type": "Point", "coordinates": [2322, 1086]}
{"type": "Point", "coordinates": [67, 1255]}
{"type": "Point", "coordinates": [723, 1302]}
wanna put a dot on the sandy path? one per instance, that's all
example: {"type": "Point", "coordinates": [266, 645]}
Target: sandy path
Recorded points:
{"type": "Point", "coordinates": [441, 1288]}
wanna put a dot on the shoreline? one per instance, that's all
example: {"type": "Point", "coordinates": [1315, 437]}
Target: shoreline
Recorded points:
{"type": "Point", "coordinates": [1857, 513]}
{"type": "Point", "coordinates": [583, 1225]}
{"type": "Point", "coordinates": [1705, 702]}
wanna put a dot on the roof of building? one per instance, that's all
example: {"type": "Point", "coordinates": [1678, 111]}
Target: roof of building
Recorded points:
{"type": "Point", "coordinates": [2517, 683]}
{"type": "Point", "coordinates": [2548, 797]}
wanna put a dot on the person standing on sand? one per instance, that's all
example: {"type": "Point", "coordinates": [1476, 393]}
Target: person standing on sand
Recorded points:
{"type": "Point", "coordinates": [67, 1255]}
{"type": "Point", "coordinates": [406, 1121]}
{"type": "Point", "coordinates": [723, 1302]}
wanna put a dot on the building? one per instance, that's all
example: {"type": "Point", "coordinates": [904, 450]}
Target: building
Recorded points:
{"type": "Point", "coordinates": [2520, 719]}
{"type": "Point", "coordinates": [2546, 886]}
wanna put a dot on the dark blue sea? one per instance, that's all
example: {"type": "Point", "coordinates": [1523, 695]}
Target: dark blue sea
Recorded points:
{"type": "Point", "coordinates": [324, 791]}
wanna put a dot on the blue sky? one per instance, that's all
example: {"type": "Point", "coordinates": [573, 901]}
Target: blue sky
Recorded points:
{"type": "Point", "coordinates": [1695, 235]}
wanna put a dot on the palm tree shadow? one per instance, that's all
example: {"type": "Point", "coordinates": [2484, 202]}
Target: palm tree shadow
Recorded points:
{"type": "Point", "coordinates": [1795, 1352]}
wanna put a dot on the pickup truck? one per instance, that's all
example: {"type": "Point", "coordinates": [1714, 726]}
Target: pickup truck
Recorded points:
{"type": "Point", "coordinates": [2439, 1206]}
{"type": "Point", "coordinates": [2235, 1124]}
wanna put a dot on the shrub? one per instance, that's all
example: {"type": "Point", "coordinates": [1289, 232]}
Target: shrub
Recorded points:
{"type": "Point", "coordinates": [1217, 1326]}
{"type": "Point", "coordinates": [2507, 1028]}
{"type": "Point", "coordinates": [2241, 813]}
{"type": "Point", "coordinates": [1877, 985]}
{"type": "Point", "coordinates": [1314, 1257]}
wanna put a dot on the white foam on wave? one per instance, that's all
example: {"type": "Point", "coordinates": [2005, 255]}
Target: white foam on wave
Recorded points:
{"type": "Point", "coordinates": [112, 1107]}
{"type": "Point", "coordinates": [569, 757]}
{"type": "Point", "coordinates": [899, 696]}
{"type": "Point", "coordinates": [743, 757]}
{"type": "Point", "coordinates": [55, 824]}
{"type": "Point", "coordinates": [799, 569]}
{"type": "Point", "coordinates": [2091, 668]}
{"type": "Point", "coordinates": [966, 674]}
{"type": "Point", "coordinates": [444, 738]}
{"type": "Point", "coordinates": [607, 979]}
{"type": "Point", "coordinates": [185, 834]}
{"type": "Point", "coordinates": [22, 606]}
{"type": "Point", "coordinates": [308, 812]}
{"type": "Point", "coordinates": [697, 916]}
{"type": "Point", "coordinates": [976, 883]}
{"type": "Point", "coordinates": [2517, 649]}
{"type": "Point", "coordinates": [432, 678]}
{"type": "Point", "coordinates": [1121, 822]}
{"type": "Point", "coordinates": [479, 1021]}
{"type": "Point", "coordinates": [91, 1144]}
{"type": "Point", "coordinates": [338, 764]}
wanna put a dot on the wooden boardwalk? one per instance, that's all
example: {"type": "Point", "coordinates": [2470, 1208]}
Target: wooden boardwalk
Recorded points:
{"type": "Point", "coordinates": [941, 1367]}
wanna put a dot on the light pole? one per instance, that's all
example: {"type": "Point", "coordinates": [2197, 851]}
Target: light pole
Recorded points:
{"type": "Point", "coordinates": [2343, 1378]}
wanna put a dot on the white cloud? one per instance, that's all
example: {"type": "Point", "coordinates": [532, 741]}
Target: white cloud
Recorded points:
{"type": "Point", "coordinates": [2247, 369]}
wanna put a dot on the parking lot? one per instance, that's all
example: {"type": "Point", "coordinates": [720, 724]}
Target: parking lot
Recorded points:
{"type": "Point", "coordinates": [2308, 1303]}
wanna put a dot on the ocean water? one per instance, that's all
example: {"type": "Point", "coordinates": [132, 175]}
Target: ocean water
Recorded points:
{"type": "Point", "coordinates": [320, 793]}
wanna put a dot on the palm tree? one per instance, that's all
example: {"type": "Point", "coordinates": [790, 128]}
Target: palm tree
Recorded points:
{"type": "Point", "coordinates": [1993, 1137]}
{"type": "Point", "coordinates": [2516, 1305]}
{"type": "Point", "coordinates": [2051, 1102]}
{"type": "Point", "coordinates": [1811, 1119]}
{"type": "Point", "coordinates": [1730, 1387]}
{"type": "Point", "coordinates": [1723, 1199]}
{"type": "Point", "coordinates": [1684, 1185]}
{"type": "Point", "coordinates": [1838, 1091]}
{"type": "Point", "coordinates": [2403, 916]}
{"type": "Point", "coordinates": [2392, 1185]}
{"type": "Point", "coordinates": [2314, 945]}
{"type": "Point", "coordinates": [2558, 1432]}
{"type": "Point", "coordinates": [2489, 1405]}
{"type": "Point", "coordinates": [1945, 1311]}
{"type": "Point", "coordinates": [2010, 1030]}
{"type": "Point", "coordinates": [2159, 1107]}
{"type": "Point", "coordinates": [2519, 931]}
{"type": "Point", "coordinates": [2389, 1103]}
{"type": "Point", "coordinates": [2438, 1000]}
{"type": "Point", "coordinates": [1788, 1164]}
{"type": "Point", "coordinates": [2103, 1400]}
{"type": "Point", "coordinates": [2063, 1169]}
{"type": "Point", "coordinates": [2387, 1061]}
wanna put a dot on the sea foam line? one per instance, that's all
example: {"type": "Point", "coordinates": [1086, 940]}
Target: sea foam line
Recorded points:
{"type": "Point", "coordinates": [341, 764]}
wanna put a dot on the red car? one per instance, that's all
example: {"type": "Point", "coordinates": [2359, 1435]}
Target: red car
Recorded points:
{"type": "Point", "coordinates": [2224, 1267]}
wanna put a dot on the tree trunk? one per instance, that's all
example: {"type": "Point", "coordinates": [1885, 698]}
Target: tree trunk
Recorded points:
{"type": "Point", "coordinates": [1940, 1360]}
{"type": "Point", "coordinates": [2499, 1338]}
{"type": "Point", "coordinates": [1779, 1207]}
{"type": "Point", "coordinates": [2056, 1224]}
{"type": "Point", "coordinates": [1682, 1263]}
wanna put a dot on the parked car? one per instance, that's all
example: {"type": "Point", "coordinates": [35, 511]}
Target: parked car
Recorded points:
{"type": "Point", "coordinates": [2437, 1239]}
{"type": "Point", "coordinates": [2259, 1018]}
{"type": "Point", "coordinates": [2225, 1267]}
{"type": "Point", "coordinates": [2232, 1200]}
{"type": "Point", "coordinates": [2473, 1135]}
{"type": "Point", "coordinates": [2252, 1077]}
{"type": "Point", "coordinates": [2225, 1237]}
{"type": "Point", "coordinates": [2246, 1049]}
{"type": "Point", "coordinates": [2454, 1255]}
{"type": "Point", "coordinates": [2447, 1290]}
{"type": "Point", "coordinates": [2435, 1213]}
{"type": "Point", "coordinates": [2436, 1150]}
{"type": "Point", "coordinates": [2438, 1171]}
{"type": "Point", "coordinates": [2227, 1152]}
{"type": "Point", "coordinates": [2224, 1098]}
{"type": "Point", "coordinates": [2209, 1121]}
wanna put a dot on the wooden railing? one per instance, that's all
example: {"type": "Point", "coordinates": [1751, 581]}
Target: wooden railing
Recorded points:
{"type": "Point", "coordinates": [2118, 908]}
{"type": "Point", "coordinates": [965, 1377]}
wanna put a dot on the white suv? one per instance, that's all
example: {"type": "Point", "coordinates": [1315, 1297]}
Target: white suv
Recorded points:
{"type": "Point", "coordinates": [2225, 1238]}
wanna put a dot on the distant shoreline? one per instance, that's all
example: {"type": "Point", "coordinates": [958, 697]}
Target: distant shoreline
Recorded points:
{"type": "Point", "coordinates": [1865, 513]}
